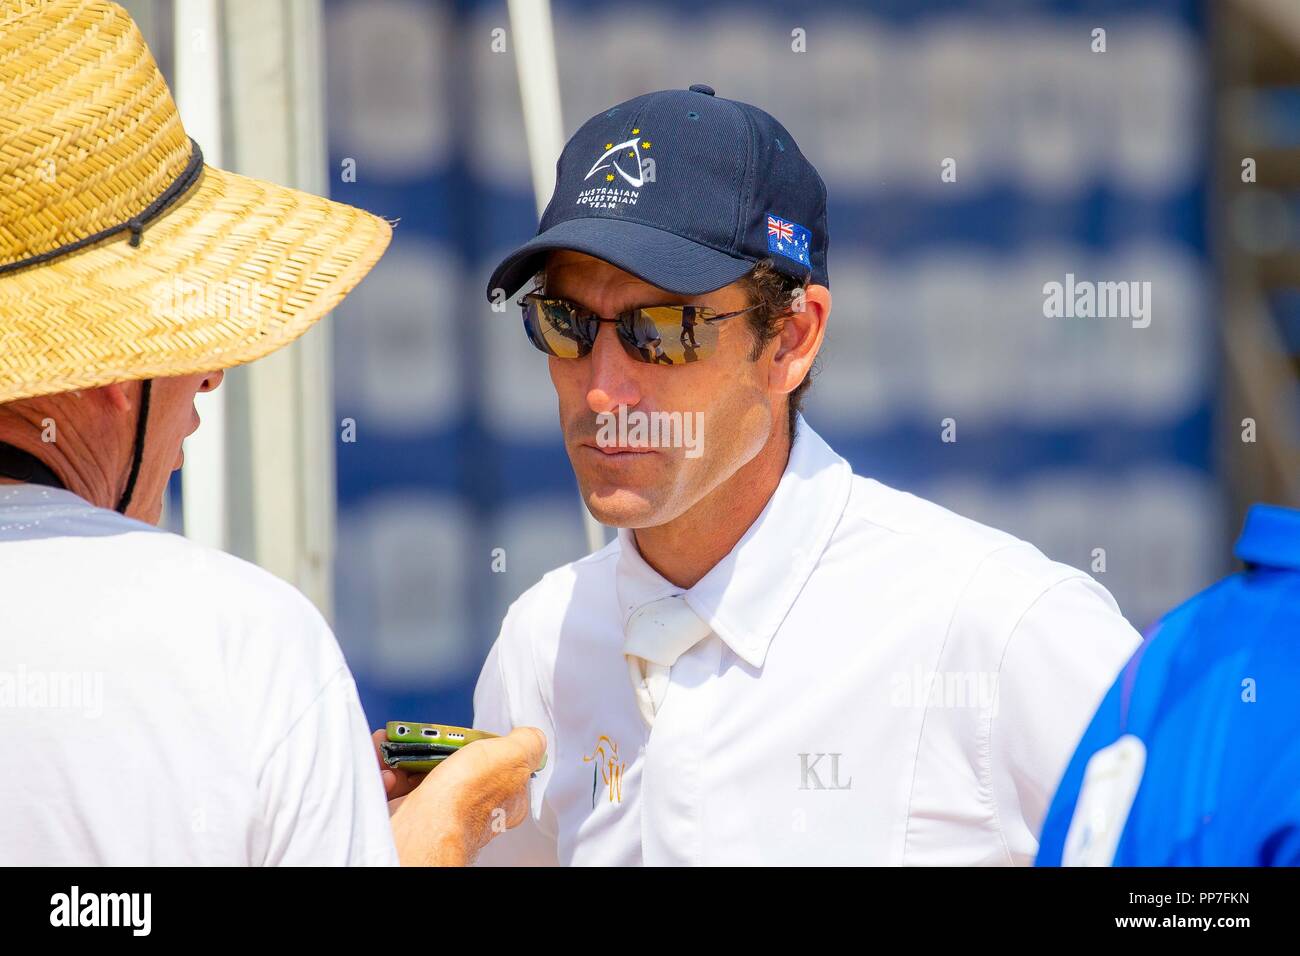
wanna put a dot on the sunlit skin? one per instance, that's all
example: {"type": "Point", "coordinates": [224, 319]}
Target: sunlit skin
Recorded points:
{"type": "Point", "coordinates": [686, 513]}
{"type": "Point", "coordinates": [445, 817]}
{"type": "Point", "coordinates": [94, 431]}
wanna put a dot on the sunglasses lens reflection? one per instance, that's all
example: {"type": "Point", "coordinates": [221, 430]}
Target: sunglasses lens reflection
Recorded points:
{"type": "Point", "coordinates": [554, 329]}
{"type": "Point", "coordinates": [661, 335]}
{"type": "Point", "coordinates": [670, 335]}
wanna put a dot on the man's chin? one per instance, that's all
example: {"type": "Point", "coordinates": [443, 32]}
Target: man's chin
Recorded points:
{"type": "Point", "coordinates": [622, 508]}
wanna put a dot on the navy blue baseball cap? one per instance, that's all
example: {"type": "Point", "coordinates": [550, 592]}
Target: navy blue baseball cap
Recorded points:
{"type": "Point", "coordinates": [685, 190]}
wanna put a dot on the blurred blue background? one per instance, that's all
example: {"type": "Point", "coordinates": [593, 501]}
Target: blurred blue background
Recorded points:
{"type": "Point", "coordinates": [1076, 434]}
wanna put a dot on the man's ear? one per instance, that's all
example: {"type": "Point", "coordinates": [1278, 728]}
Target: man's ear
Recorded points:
{"type": "Point", "coordinates": [119, 395]}
{"type": "Point", "coordinates": [800, 338]}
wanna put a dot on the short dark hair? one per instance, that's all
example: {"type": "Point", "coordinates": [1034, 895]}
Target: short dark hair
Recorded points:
{"type": "Point", "coordinates": [774, 292]}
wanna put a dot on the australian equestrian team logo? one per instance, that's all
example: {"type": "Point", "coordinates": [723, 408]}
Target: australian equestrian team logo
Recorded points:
{"type": "Point", "coordinates": [619, 161]}
{"type": "Point", "coordinates": [607, 768]}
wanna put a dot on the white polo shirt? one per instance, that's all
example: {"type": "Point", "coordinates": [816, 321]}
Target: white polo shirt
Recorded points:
{"type": "Point", "coordinates": [886, 682]}
{"type": "Point", "coordinates": [166, 703]}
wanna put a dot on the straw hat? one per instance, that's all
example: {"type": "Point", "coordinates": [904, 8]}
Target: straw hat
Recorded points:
{"type": "Point", "coordinates": [123, 256]}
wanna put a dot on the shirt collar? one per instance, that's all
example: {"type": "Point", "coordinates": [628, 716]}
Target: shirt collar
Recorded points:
{"type": "Point", "coordinates": [26, 494]}
{"type": "Point", "coordinates": [747, 594]}
{"type": "Point", "coordinates": [1271, 537]}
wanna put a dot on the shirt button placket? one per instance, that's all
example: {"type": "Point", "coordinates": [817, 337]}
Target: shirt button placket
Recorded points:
{"type": "Point", "coordinates": [673, 774]}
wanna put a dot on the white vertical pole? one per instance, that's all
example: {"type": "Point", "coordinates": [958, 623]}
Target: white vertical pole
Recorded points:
{"type": "Point", "coordinates": [282, 405]}
{"type": "Point", "coordinates": [539, 91]}
{"type": "Point", "coordinates": [317, 427]}
{"type": "Point", "coordinates": [198, 97]}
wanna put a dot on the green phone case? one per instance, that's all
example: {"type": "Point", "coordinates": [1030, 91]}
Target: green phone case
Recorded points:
{"type": "Point", "coordinates": [419, 748]}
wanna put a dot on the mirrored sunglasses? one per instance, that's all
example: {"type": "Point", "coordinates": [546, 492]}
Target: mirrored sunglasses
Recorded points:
{"type": "Point", "coordinates": [656, 335]}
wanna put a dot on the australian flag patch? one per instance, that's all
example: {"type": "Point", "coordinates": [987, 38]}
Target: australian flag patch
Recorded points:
{"type": "Point", "coordinates": [788, 239]}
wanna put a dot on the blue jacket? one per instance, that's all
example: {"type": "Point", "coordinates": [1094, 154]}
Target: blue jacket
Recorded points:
{"type": "Point", "coordinates": [1193, 758]}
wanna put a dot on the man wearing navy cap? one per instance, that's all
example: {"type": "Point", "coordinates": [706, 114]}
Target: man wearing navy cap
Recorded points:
{"type": "Point", "coordinates": [776, 661]}
{"type": "Point", "coordinates": [1192, 759]}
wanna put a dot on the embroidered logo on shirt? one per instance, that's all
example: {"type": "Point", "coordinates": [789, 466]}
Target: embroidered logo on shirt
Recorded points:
{"type": "Point", "coordinates": [608, 768]}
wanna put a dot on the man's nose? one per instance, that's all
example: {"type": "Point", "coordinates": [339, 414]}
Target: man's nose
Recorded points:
{"type": "Point", "coordinates": [211, 380]}
{"type": "Point", "coordinates": [613, 382]}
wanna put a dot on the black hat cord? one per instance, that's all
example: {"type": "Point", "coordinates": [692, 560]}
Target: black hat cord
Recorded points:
{"type": "Point", "coordinates": [137, 454]}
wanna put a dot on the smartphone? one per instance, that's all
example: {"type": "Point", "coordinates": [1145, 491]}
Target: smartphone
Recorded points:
{"type": "Point", "coordinates": [419, 748]}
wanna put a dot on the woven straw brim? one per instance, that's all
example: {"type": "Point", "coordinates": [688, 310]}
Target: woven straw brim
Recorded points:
{"type": "Point", "coordinates": [233, 271]}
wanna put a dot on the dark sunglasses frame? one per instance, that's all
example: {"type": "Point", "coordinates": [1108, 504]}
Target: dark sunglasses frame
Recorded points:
{"type": "Point", "coordinates": [623, 323]}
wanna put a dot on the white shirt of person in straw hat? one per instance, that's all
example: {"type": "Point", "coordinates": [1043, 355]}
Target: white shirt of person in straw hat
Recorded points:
{"type": "Point", "coordinates": [160, 702]}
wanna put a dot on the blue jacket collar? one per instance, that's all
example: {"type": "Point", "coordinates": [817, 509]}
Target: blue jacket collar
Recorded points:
{"type": "Point", "coordinates": [1271, 537]}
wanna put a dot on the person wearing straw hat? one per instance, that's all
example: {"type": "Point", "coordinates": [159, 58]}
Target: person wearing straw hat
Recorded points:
{"type": "Point", "coordinates": [161, 702]}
